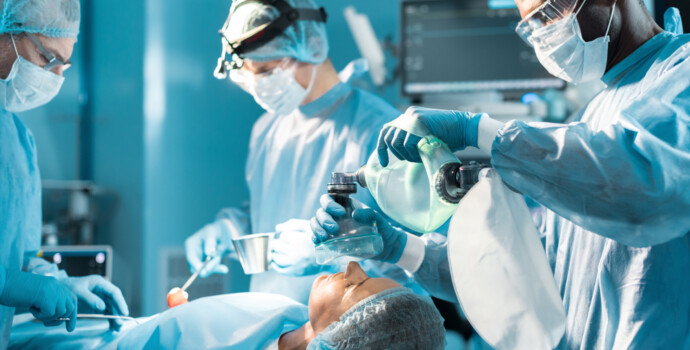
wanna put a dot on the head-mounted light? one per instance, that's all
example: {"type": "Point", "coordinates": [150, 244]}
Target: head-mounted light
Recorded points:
{"type": "Point", "coordinates": [262, 34]}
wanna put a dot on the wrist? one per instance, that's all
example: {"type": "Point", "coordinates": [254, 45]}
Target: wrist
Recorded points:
{"type": "Point", "coordinates": [472, 128]}
{"type": "Point", "coordinates": [413, 254]}
{"type": "Point", "coordinates": [228, 231]}
{"type": "Point", "coordinates": [487, 131]}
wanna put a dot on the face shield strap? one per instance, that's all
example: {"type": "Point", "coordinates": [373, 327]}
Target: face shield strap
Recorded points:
{"type": "Point", "coordinates": [288, 16]}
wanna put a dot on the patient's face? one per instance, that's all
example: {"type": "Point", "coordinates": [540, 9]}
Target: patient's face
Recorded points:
{"type": "Point", "coordinates": [332, 295]}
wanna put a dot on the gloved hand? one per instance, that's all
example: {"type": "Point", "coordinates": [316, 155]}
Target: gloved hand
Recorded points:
{"type": "Point", "coordinates": [46, 297]}
{"type": "Point", "coordinates": [292, 249]}
{"type": "Point", "coordinates": [100, 295]}
{"type": "Point", "coordinates": [456, 129]}
{"type": "Point", "coordinates": [324, 226]}
{"type": "Point", "coordinates": [214, 240]}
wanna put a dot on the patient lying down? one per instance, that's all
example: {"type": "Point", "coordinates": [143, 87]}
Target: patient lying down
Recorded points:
{"type": "Point", "coordinates": [347, 310]}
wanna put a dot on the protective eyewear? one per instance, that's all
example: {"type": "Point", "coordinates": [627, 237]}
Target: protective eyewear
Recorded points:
{"type": "Point", "coordinates": [246, 79]}
{"type": "Point", "coordinates": [549, 12]}
{"type": "Point", "coordinates": [53, 60]}
{"type": "Point", "coordinates": [259, 36]}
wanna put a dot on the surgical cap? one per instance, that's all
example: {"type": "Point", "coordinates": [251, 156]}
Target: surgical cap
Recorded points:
{"type": "Point", "coordinates": [52, 18]}
{"type": "Point", "coordinates": [393, 319]}
{"type": "Point", "coordinates": [304, 41]}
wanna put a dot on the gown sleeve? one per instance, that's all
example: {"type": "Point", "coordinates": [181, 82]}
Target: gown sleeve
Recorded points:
{"type": "Point", "coordinates": [434, 272]}
{"type": "Point", "coordinates": [629, 182]}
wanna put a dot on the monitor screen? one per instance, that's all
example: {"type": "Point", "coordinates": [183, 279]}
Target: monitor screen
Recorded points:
{"type": "Point", "coordinates": [457, 46]}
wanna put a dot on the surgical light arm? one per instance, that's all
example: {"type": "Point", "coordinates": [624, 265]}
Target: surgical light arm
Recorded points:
{"type": "Point", "coordinates": [367, 43]}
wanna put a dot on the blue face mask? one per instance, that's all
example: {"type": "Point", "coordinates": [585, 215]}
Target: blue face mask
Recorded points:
{"type": "Point", "coordinates": [28, 86]}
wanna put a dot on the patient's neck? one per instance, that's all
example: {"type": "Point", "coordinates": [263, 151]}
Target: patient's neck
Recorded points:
{"type": "Point", "coordinates": [297, 339]}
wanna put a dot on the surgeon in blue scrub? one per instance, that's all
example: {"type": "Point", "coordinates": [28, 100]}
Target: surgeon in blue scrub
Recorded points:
{"type": "Point", "coordinates": [314, 125]}
{"type": "Point", "coordinates": [36, 41]}
{"type": "Point", "coordinates": [613, 187]}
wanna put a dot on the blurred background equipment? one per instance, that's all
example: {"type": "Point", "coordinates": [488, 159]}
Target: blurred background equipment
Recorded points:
{"type": "Point", "coordinates": [466, 46]}
{"type": "Point", "coordinates": [81, 260]}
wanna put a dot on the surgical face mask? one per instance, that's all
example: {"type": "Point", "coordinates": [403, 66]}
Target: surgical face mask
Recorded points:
{"type": "Point", "coordinates": [561, 49]}
{"type": "Point", "coordinates": [28, 86]}
{"type": "Point", "coordinates": [276, 91]}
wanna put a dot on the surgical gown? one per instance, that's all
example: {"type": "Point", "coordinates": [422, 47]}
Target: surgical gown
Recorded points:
{"type": "Point", "coordinates": [614, 194]}
{"type": "Point", "coordinates": [615, 191]}
{"type": "Point", "coordinates": [20, 198]}
{"type": "Point", "coordinates": [20, 208]}
{"type": "Point", "coordinates": [291, 158]}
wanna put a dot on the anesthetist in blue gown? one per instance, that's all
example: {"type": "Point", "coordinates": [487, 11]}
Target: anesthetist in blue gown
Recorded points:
{"type": "Point", "coordinates": [613, 188]}
{"type": "Point", "coordinates": [315, 125]}
{"type": "Point", "coordinates": [36, 40]}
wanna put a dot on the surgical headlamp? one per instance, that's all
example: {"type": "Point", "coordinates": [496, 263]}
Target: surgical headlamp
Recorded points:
{"type": "Point", "coordinates": [549, 12]}
{"type": "Point", "coordinates": [262, 34]}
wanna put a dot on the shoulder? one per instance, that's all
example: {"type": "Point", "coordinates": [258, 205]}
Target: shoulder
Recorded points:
{"type": "Point", "coordinates": [674, 54]}
{"type": "Point", "coordinates": [11, 127]}
{"type": "Point", "coordinates": [264, 122]}
{"type": "Point", "coordinates": [372, 109]}
{"type": "Point", "coordinates": [261, 128]}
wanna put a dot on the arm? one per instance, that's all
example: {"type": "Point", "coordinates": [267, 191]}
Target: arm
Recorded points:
{"type": "Point", "coordinates": [433, 273]}
{"type": "Point", "coordinates": [215, 239]}
{"type": "Point", "coordinates": [624, 182]}
{"type": "Point", "coordinates": [424, 258]}
{"type": "Point", "coordinates": [627, 181]}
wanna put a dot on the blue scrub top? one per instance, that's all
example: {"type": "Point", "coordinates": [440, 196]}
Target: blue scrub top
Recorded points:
{"type": "Point", "coordinates": [20, 203]}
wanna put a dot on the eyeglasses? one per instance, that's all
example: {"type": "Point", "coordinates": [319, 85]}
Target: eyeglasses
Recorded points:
{"type": "Point", "coordinates": [549, 12]}
{"type": "Point", "coordinates": [53, 60]}
{"type": "Point", "coordinates": [245, 79]}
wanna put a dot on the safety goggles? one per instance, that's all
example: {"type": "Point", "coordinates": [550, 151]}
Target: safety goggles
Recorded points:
{"type": "Point", "coordinates": [549, 12]}
{"type": "Point", "coordinates": [234, 48]}
{"type": "Point", "coordinates": [53, 60]}
{"type": "Point", "coordinates": [246, 79]}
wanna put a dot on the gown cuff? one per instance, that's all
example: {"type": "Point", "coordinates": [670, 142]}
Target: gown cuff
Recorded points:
{"type": "Point", "coordinates": [488, 129]}
{"type": "Point", "coordinates": [413, 254]}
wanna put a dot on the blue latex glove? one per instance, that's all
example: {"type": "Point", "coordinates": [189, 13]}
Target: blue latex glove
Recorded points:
{"type": "Point", "coordinates": [100, 295]}
{"type": "Point", "coordinates": [46, 297]}
{"type": "Point", "coordinates": [324, 226]}
{"type": "Point", "coordinates": [456, 129]}
{"type": "Point", "coordinates": [213, 239]}
{"type": "Point", "coordinates": [292, 250]}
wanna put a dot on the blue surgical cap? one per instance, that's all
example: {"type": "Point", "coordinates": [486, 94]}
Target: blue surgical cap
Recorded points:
{"type": "Point", "coordinates": [396, 318]}
{"type": "Point", "coordinates": [304, 41]}
{"type": "Point", "coordinates": [52, 18]}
